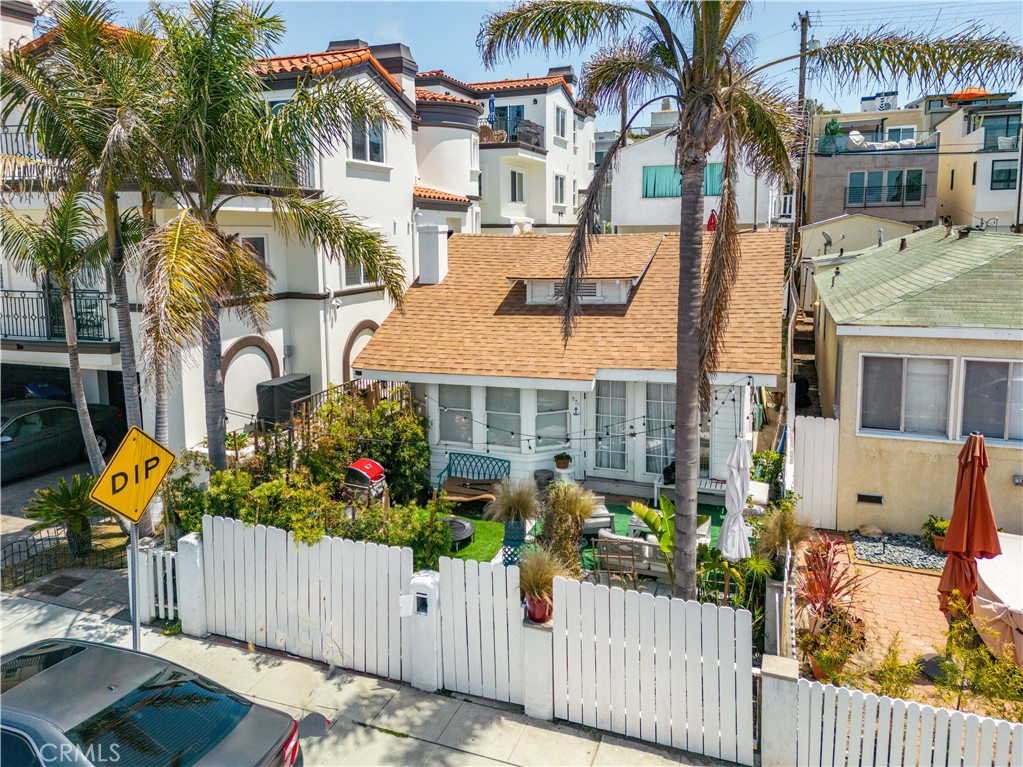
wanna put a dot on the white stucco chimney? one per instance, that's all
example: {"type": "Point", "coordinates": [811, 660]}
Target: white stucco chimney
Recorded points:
{"type": "Point", "coordinates": [433, 253]}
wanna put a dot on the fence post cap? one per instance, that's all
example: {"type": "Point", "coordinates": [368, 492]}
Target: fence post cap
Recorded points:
{"type": "Point", "coordinates": [777, 667]}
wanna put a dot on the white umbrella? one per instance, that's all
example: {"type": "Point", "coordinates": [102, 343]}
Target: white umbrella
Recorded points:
{"type": "Point", "coordinates": [733, 540]}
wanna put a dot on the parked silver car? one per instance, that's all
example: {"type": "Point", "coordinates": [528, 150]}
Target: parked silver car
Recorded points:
{"type": "Point", "coordinates": [70, 702]}
{"type": "Point", "coordinates": [39, 434]}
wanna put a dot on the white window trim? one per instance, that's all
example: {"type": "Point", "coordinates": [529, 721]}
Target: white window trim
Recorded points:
{"type": "Point", "coordinates": [436, 407]}
{"type": "Point", "coordinates": [884, 175]}
{"type": "Point", "coordinates": [960, 404]}
{"type": "Point", "coordinates": [382, 163]}
{"type": "Point", "coordinates": [551, 449]}
{"type": "Point", "coordinates": [493, 447]}
{"type": "Point", "coordinates": [561, 123]}
{"type": "Point", "coordinates": [564, 191]}
{"type": "Point", "coordinates": [522, 200]}
{"type": "Point", "coordinates": [882, 433]}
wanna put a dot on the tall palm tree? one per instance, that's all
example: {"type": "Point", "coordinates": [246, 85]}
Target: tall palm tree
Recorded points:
{"type": "Point", "coordinates": [68, 246]}
{"type": "Point", "coordinates": [692, 52]}
{"type": "Point", "coordinates": [75, 91]}
{"type": "Point", "coordinates": [220, 140]}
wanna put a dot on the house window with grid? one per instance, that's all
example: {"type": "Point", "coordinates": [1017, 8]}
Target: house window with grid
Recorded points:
{"type": "Point", "coordinates": [551, 418]}
{"type": "Point", "coordinates": [560, 122]}
{"type": "Point", "coordinates": [455, 416]}
{"type": "Point", "coordinates": [559, 190]}
{"type": "Point", "coordinates": [368, 140]}
{"type": "Point", "coordinates": [1004, 174]}
{"type": "Point", "coordinates": [518, 183]}
{"type": "Point", "coordinates": [610, 451]}
{"type": "Point", "coordinates": [503, 416]}
{"type": "Point", "coordinates": [355, 274]}
{"type": "Point", "coordinates": [660, 423]}
{"type": "Point", "coordinates": [909, 395]}
{"type": "Point", "coordinates": [878, 187]}
{"type": "Point", "coordinates": [992, 399]}
{"type": "Point", "coordinates": [898, 134]}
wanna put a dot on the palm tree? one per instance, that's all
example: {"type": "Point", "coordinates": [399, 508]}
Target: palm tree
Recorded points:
{"type": "Point", "coordinates": [76, 93]}
{"type": "Point", "coordinates": [219, 139]}
{"type": "Point", "coordinates": [692, 52]}
{"type": "Point", "coordinates": [67, 246]}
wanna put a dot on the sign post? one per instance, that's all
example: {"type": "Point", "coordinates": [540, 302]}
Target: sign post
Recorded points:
{"type": "Point", "coordinates": [126, 487]}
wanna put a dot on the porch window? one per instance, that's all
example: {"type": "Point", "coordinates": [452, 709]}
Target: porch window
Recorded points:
{"type": "Point", "coordinates": [905, 394]}
{"type": "Point", "coordinates": [610, 452]}
{"type": "Point", "coordinates": [455, 416]}
{"type": "Point", "coordinates": [503, 416]}
{"type": "Point", "coordinates": [993, 399]}
{"type": "Point", "coordinates": [660, 420]}
{"type": "Point", "coordinates": [551, 417]}
{"type": "Point", "coordinates": [705, 440]}
{"type": "Point", "coordinates": [368, 140]}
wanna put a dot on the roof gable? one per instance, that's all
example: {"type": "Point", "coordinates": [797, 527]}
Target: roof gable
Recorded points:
{"type": "Point", "coordinates": [324, 63]}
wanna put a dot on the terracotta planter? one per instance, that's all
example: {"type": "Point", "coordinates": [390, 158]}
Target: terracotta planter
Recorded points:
{"type": "Point", "coordinates": [538, 610]}
{"type": "Point", "coordinates": [938, 541]}
{"type": "Point", "coordinates": [562, 463]}
{"type": "Point", "coordinates": [818, 674]}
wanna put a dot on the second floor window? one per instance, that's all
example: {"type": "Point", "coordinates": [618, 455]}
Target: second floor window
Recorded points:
{"type": "Point", "coordinates": [1004, 174]}
{"type": "Point", "coordinates": [905, 394]}
{"type": "Point", "coordinates": [878, 187]}
{"type": "Point", "coordinates": [518, 186]}
{"type": "Point", "coordinates": [355, 275]}
{"type": "Point", "coordinates": [560, 121]}
{"type": "Point", "coordinates": [258, 244]}
{"type": "Point", "coordinates": [559, 190]}
{"type": "Point", "coordinates": [666, 181]}
{"type": "Point", "coordinates": [898, 134]}
{"type": "Point", "coordinates": [368, 141]}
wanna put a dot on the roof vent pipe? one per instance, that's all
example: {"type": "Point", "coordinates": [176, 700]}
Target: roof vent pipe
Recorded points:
{"type": "Point", "coordinates": [836, 275]}
{"type": "Point", "coordinates": [964, 233]}
{"type": "Point", "coordinates": [880, 237]}
{"type": "Point", "coordinates": [902, 244]}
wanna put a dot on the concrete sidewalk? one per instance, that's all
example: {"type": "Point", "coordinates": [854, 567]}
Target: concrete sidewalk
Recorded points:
{"type": "Point", "coordinates": [371, 721]}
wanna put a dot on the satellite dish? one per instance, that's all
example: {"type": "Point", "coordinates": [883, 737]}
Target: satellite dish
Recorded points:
{"type": "Point", "coordinates": [827, 239]}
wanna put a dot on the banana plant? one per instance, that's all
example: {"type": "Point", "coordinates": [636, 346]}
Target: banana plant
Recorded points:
{"type": "Point", "coordinates": [662, 524]}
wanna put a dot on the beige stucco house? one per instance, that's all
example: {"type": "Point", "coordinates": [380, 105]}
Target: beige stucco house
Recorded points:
{"type": "Point", "coordinates": [919, 343]}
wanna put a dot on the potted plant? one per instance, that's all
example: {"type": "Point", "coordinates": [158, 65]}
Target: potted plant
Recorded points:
{"type": "Point", "coordinates": [67, 504]}
{"type": "Point", "coordinates": [565, 509]}
{"type": "Point", "coordinates": [828, 649]}
{"type": "Point", "coordinates": [562, 460]}
{"type": "Point", "coordinates": [934, 531]}
{"type": "Point", "coordinates": [764, 472]}
{"type": "Point", "coordinates": [779, 531]}
{"type": "Point", "coordinates": [537, 570]}
{"type": "Point", "coordinates": [515, 503]}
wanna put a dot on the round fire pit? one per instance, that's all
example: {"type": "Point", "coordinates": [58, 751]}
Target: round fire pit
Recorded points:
{"type": "Point", "coordinates": [463, 532]}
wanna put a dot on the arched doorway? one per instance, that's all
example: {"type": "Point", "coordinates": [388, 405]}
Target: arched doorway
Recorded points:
{"type": "Point", "coordinates": [247, 362]}
{"type": "Point", "coordinates": [357, 341]}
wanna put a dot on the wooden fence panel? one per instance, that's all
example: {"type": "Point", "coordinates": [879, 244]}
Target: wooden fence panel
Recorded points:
{"type": "Point", "coordinates": [815, 466]}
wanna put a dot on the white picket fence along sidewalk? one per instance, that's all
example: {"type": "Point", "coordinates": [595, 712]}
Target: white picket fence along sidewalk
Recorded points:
{"type": "Point", "coordinates": [663, 670]}
{"type": "Point", "coordinates": [157, 584]}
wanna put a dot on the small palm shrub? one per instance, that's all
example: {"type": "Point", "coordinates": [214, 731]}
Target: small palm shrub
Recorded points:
{"type": "Point", "coordinates": [67, 504]}
{"type": "Point", "coordinates": [780, 528]}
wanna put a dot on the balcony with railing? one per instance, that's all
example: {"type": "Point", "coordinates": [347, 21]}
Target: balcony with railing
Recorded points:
{"type": "Point", "coordinates": [511, 130]}
{"type": "Point", "coordinates": [37, 315]}
{"type": "Point", "coordinates": [876, 142]}
{"type": "Point", "coordinates": [1000, 140]}
{"type": "Point", "coordinates": [19, 144]}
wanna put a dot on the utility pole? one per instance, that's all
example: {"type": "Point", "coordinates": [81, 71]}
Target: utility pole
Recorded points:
{"type": "Point", "coordinates": [804, 27]}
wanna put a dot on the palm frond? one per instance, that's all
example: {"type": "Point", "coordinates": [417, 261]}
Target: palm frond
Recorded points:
{"type": "Point", "coordinates": [631, 66]}
{"type": "Point", "coordinates": [969, 56]}
{"type": "Point", "coordinates": [327, 224]}
{"type": "Point", "coordinates": [248, 285]}
{"type": "Point", "coordinates": [551, 25]}
{"type": "Point", "coordinates": [768, 127]}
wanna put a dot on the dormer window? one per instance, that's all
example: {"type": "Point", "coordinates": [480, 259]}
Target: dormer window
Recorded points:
{"type": "Point", "coordinates": [587, 289]}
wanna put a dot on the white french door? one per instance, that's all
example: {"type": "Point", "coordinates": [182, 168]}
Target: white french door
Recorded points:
{"type": "Point", "coordinates": [611, 451]}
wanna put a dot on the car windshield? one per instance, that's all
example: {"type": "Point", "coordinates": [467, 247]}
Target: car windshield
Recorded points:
{"type": "Point", "coordinates": [174, 718]}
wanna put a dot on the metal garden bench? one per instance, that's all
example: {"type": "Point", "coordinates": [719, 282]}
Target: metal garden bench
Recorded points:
{"type": "Point", "coordinates": [471, 477]}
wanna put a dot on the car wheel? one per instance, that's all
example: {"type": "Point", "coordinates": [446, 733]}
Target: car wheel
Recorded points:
{"type": "Point", "coordinates": [101, 442]}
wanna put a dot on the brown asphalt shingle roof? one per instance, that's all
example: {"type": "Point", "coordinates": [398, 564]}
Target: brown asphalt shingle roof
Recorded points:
{"type": "Point", "coordinates": [475, 323]}
{"type": "Point", "coordinates": [624, 256]}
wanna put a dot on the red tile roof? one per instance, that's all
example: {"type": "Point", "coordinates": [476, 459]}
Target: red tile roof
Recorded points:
{"type": "Point", "coordinates": [422, 94]}
{"type": "Point", "coordinates": [426, 193]}
{"type": "Point", "coordinates": [48, 37]}
{"type": "Point", "coordinates": [323, 63]}
{"type": "Point", "coordinates": [522, 82]}
{"type": "Point", "coordinates": [439, 73]}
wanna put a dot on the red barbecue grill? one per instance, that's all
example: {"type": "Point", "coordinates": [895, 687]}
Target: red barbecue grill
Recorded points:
{"type": "Point", "coordinates": [365, 480]}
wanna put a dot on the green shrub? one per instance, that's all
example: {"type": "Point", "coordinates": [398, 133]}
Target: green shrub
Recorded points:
{"type": "Point", "coordinates": [767, 466]}
{"type": "Point", "coordinates": [228, 494]}
{"type": "Point", "coordinates": [934, 525]}
{"type": "Point", "coordinates": [183, 501]}
{"type": "Point", "coordinates": [306, 511]}
{"type": "Point", "coordinates": [891, 676]}
{"type": "Point", "coordinates": [404, 525]}
{"type": "Point", "coordinates": [398, 441]}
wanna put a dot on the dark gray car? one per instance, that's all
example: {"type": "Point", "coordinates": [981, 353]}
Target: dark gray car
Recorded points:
{"type": "Point", "coordinates": [38, 434]}
{"type": "Point", "coordinates": [70, 702]}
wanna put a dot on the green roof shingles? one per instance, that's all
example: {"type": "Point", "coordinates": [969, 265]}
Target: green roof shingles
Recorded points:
{"type": "Point", "coordinates": [974, 282]}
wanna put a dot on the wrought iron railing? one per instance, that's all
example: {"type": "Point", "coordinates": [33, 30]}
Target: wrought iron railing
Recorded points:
{"type": "Point", "coordinates": [891, 196]}
{"type": "Point", "coordinates": [876, 142]}
{"type": "Point", "coordinates": [504, 130]}
{"type": "Point", "coordinates": [37, 315]}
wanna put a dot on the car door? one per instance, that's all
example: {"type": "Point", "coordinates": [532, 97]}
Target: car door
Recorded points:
{"type": "Point", "coordinates": [68, 431]}
{"type": "Point", "coordinates": [34, 445]}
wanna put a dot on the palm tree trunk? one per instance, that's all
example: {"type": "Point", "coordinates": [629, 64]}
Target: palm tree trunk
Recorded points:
{"type": "Point", "coordinates": [96, 461]}
{"type": "Point", "coordinates": [687, 379]}
{"type": "Point", "coordinates": [213, 387]}
{"type": "Point", "coordinates": [129, 372]}
{"type": "Point", "coordinates": [160, 432]}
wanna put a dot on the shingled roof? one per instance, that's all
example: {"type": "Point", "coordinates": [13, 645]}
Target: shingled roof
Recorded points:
{"type": "Point", "coordinates": [475, 323]}
{"type": "Point", "coordinates": [937, 281]}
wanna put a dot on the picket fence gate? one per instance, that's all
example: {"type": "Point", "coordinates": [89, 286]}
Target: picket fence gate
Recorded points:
{"type": "Point", "coordinates": [157, 585]}
{"type": "Point", "coordinates": [336, 601]}
{"type": "Point", "coordinates": [815, 470]}
{"type": "Point", "coordinates": [839, 726]}
{"type": "Point", "coordinates": [481, 629]}
{"type": "Point", "coordinates": [663, 670]}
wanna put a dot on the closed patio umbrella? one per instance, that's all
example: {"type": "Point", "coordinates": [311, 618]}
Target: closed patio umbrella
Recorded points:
{"type": "Point", "coordinates": [733, 539]}
{"type": "Point", "coordinates": [972, 533]}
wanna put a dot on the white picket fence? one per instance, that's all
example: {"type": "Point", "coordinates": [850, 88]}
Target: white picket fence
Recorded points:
{"type": "Point", "coordinates": [839, 726]}
{"type": "Point", "coordinates": [815, 466]}
{"type": "Point", "coordinates": [157, 585]}
{"type": "Point", "coordinates": [667, 671]}
{"type": "Point", "coordinates": [336, 601]}
{"type": "Point", "coordinates": [481, 629]}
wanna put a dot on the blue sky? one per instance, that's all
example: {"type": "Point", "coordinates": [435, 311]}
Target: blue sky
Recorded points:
{"type": "Point", "coordinates": [442, 35]}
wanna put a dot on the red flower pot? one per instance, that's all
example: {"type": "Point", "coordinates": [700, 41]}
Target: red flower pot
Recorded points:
{"type": "Point", "coordinates": [538, 610]}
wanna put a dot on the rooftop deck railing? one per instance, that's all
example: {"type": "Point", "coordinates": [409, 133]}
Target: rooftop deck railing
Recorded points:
{"type": "Point", "coordinates": [876, 142]}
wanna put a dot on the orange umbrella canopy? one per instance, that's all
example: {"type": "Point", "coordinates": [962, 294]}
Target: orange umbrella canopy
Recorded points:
{"type": "Point", "coordinates": [968, 94]}
{"type": "Point", "coordinates": [972, 533]}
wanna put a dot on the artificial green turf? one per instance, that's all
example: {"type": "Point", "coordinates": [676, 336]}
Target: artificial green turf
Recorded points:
{"type": "Point", "coordinates": [717, 516]}
{"type": "Point", "coordinates": [486, 543]}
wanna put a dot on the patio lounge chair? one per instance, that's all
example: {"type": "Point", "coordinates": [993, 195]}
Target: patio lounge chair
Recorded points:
{"type": "Point", "coordinates": [471, 477]}
{"type": "Point", "coordinates": [645, 556]}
